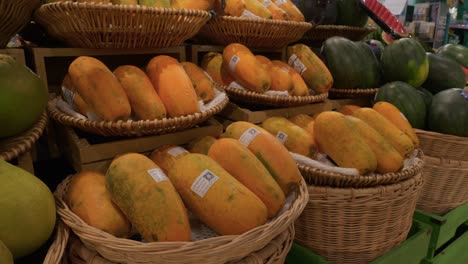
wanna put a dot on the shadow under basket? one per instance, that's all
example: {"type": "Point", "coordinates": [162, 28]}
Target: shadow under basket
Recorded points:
{"type": "Point", "coordinates": [355, 226]}
{"type": "Point", "coordinates": [445, 185]}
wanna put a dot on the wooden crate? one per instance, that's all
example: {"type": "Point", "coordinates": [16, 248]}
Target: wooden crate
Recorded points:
{"type": "Point", "coordinates": [51, 64]}
{"type": "Point", "coordinates": [195, 53]}
{"type": "Point", "coordinates": [234, 112]}
{"type": "Point", "coordinates": [17, 54]}
{"type": "Point", "coordinates": [89, 152]}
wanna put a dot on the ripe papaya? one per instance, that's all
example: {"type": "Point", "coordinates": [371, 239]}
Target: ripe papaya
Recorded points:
{"type": "Point", "coordinates": [201, 145]}
{"type": "Point", "coordinates": [276, 12]}
{"type": "Point", "coordinates": [304, 121]}
{"type": "Point", "coordinates": [294, 13]}
{"type": "Point", "coordinates": [256, 8]}
{"type": "Point", "coordinates": [190, 4]}
{"type": "Point", "coordinates": [348, 109]}
{"type": "Point", "coordinates": [165, 156]}
{"type": "Point", "coordinates": [232, 7]}
{"type": "Point", "coordinates": [281, 80]}
{"type": "Point", "coordinates": [155, 3]}
{"type": "Point", "coordinates": [73, 98]}
{"type": "Point", "coordinates": [299, 86]}
{"type": "Point", "coordinates": [202, 85]}
{"type": "Point", "coordinates": [212, 64]}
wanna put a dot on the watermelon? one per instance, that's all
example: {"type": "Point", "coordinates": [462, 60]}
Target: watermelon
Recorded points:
{"type": "Point", "coordinates": [455, 52]}
{"type": "Point", "coordinates": [406, 99]}
{"type": "Point", "coordinates": [350, 13]}
{"type": "Point", "coordinates": [405, 60]}
{"type": "Point", "coordinates": [449, 112]}
{"type": "Point", "coordinates": [443, 74]}
{"type": "Point", "coordinates": [426, 96]}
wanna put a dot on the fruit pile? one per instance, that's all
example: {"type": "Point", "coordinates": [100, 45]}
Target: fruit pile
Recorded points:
{"type": "Point", "coordinates": [269, 9]}
{"type": "Point", "coordinates": [167, 89]}
{"type": "Point", "coordinates": [232, 184]}
{"type": "Point", "coordinates": [179, 4]}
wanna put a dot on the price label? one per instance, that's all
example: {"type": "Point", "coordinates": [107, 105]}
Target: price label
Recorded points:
{"type": "Point", "coordinates": [204, 182]}
{"type": "Point", "coordinates": [281, 136]}
{"type": "Point", "coordinates": [248, 136]}
{"type": "Point", "coordinates": [267, 3]}
{"type": "Point", "coordinates": [233, 63]}
{"type": "Point", "coordinates": [177, 151]}
{"type": "Point", "coordinates": [158, 175]}
{"type": "Point", "coordinates": [297, 64]}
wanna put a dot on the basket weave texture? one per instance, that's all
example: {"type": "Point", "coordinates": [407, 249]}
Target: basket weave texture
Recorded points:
{"type": "Point", "coordinates": [253, 33]}
{"type": "Point", "coordinates": [443, 146]}
{"type": "Point", "coordinates": [320, 33]}
{"type": "Point", "coordinates": [14, 15]}
{"type": "Point", "coordinates": [347, 225]}
{"type": "Point", "coordinates": [13, 147]}
{"type": "Point", "coordinates": [56, 252]}
{"type": "Point", "coordinates": [215, 250]}
{"type": "Point", "coordinates": [97, 25]}
{"type": "Point", "coordinates": [352, 93]}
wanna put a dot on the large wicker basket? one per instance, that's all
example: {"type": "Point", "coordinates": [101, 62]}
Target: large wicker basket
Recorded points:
{"type": "Point", "coordinates": [215, 250]}
{"type": "Point", "coordinates": [97, 25]}
{"type": "Point", "coordinates": [252, 32]}
{"type": "Point", "coordinates": [347, 225]}
{"type": "Point", "coordinates": [443, 146]}
{"type": "Point", "coordinates": [57, 250]}
{"type": "Point", "coordinates": [318, 34]}
{"type": "Point", "coordinates": [13, 147]}
{"type": "Point", "coordinates": [14, 15]}
{"type": "Point", "coordinates": [352, 93]}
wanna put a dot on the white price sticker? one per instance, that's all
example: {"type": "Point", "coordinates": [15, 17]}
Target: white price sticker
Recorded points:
{"type": "Point", "coordinates": [280, 2]}
{"type": "Point", "coordinates": [68, 95]}
{"type": "Point", "coordinates": [248, 136]}
{"type": "Point", "coordinates": [207, 75]}
{"type": "Point", "coordinates": [233, 63]}
{"type": "Point", "coordinates": [281, 136]}
{"type": "Point", "coordinates": [297, 64]}
{"type": "Point", "coordinates": [177, 151]}
{"type": "Point", "coordinates": [158, 175]}
{"type": "Point", "coordinates": [267, 3]}
{"type": "Point", "coordinates": [235, 85]}
{"type": "Point", "coordinates": [285, 69]}
{"type": "Point", "coordinates": [403, 116]}
{"type": "Point", "coordinates": [248, 14]}
{"type": "Point", "coordinates": [204, 182]}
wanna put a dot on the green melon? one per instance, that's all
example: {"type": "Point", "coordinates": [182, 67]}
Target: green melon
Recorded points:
{"type": "Point", "coordinates": [5, 255]}
{"type": "Point", "coordinates": [449, 112]}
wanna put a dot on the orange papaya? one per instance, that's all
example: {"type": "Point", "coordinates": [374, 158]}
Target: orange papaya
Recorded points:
{"type": "Point", "coordinates": [212, 64]}
{"type": "Point", "coordinates": [299, 86]}
{"type": "Point", "coordinates": [256, 8]}
{"type": "Point", "coordinates": [202, 85]}
{"type": "Point", "coordinates": [165, 156]}
{"type": "Point", "coordinates": [348, 109]}
{"type": "Point", "coordinates": [73, 98]}
{"type": "Point", "coordinates": [304, 121]}
{"type": "Point", "coordinates": [201, 145]}
{"type": "Point", "coordinates": [190, 4]}
{"type": "Point", "coordinates": [281, 80]}
{"type": "Point", "coordinates": [276, 12]}
{"type": "Point", "coordinates": [293, 12]}
{"type": "Point", "coordinates": [231, 8]}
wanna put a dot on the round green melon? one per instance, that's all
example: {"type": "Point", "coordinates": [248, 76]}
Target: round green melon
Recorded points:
{"type": "Point", "coordinates": [426, 96]}
{"type": "Point", "coordinates": [5, 255]}
{"type": "Point", "coordinates": [405, 60]}
{"type": "Point", "coordinates": [350, 13]}
{"type": "Point", "coordinates": [457, 53]}
{"type": "Point", "coordinates": [443, 74]}
{"type": "Point", "coordinates": [23, 97]}
{"type": "Point", "coordinates": [27, 210]}
{"type": "Point", "coordinates": [449, 113]}
{"type": "Point", "coordinates": [406, 99]}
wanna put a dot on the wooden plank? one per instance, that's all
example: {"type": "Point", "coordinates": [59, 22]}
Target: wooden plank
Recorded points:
{"type": "Point", "coordinates": [16, 53]}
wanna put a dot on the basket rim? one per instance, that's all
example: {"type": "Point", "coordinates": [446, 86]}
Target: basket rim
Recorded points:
{"type": "Point", "coordinates": [442, 136]}
{"type": "Point", "coordinates": [353, 92]}
{"type": "Point", "coordinates": [125, 246]}
{"type": "Point", "coordinates": [344, 27]}
{"type": "Point", "coordinates": [26, 139]}
{"type": "Point", "coordinates": [259, 21]}
{"type": "Point", "coordinates": [338, 180]}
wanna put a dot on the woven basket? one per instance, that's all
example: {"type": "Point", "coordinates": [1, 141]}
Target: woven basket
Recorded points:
{"type": "Point", "coordinates": [274, 253]}
{"type": "Point", "coordinates": [357, 225]}
{"type": "Point", "coordinates": [90, 25]}
{"type": "Point", "coordinates": [134, 128]}
{"type": "Point", "coordinates": [253, 33]}
{"type": "Point", "coordinates": [445, 185]}
{"type": "Point", "coordinates": [443, 146]}
{"type": "Point", "coordinates": [13, 147]}
{"type": "Point", "coordinates": [248, 97]}
{"type": "Point", "coordinates": [56, 252]}
{"type": "Point", "coordinates": [214, 250]}
{"type": "Point", "coordinates": [352, 93]}
{"type": "Point", "coordinates": [320, 33]}
{"type": "Point", "coordinates": [322, 177]}
{"type": "Point", "coordinates": [14, 15]}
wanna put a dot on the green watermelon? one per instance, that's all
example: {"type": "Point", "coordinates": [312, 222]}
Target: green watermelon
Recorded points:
{"type": "Point", "coordinates": [405, 60]}
{"type": "Point", "coordinates": [426, 96]}
{"type": "Point", "coordinates": [449, 112]}
{"type": "Point", "coordinates": [407, 99]}
{"type": "Point", "coordinates": [443, 74]}
{"type": "Point", "coordinates": [455, 52]}
{"type": "Point", "coordinates": [349, 13]}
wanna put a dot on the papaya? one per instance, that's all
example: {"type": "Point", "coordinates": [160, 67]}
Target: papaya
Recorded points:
{"type": "Point", "coordinates": [145, 101]}
{"type": "Point", "coordinates": [310, 67]}
{"type": "Point", "coordinates": [165, 156]}
{"type": "Point", "coordinates": [173, 86]}
{"type": "Point", "coordinates": [232, 7]}
{"type": "Point", "coordinates": [280, 79]}
{"type": "Point", "coordinates": [99, 88]}
{"type": "Point", "coordinates": [125, 2]}
{"type": "Point", "coordinates": [393, 114]}
{"type": "Point", "coordinates": [348, 109]}
{"type": "Point", "coordinates": [304, 121]}
{"type": "Point", "coordinates": [149, 200]}
{"type": "Point", "coordinates": [295, 138]}
{"type": "Point", "coordinates": [201, 145]}
{"type": "Point", "coordinates": [269, 150]}
{"type": "Point", "coordinates": [215, 197]}
{"type": "Point", "coordinates": [336, 137]}
{"type": "Point", "coordinates": [190, 4]}
{"type": "Point", "coordinates": [74, 99]}
{"type": "Point", "coordinates": [256, 8]}
{"type": "Point", "coordinates": [212, 64]}
{"type": "Point", "coordinates": [245, 68]}
{"type": "Point", "coordinates": [202, 85]}
{"type": "Point", "coordinates": [299, 86]}
{"type": "Point", "coordinates": [388, 158]}
{"type": "Point", "coordinates": [155, 3]}
{"type": "Point", "coordinates": [276, 12]}
{"type": "Point", "coordinates": [288, 6]}
{"type": "Point", "coordinates": [88, 198]}
{"type": "Point", "coordinates": [399, 140]}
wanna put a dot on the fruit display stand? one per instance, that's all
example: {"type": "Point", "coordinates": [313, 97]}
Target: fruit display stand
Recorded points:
{"type": "Point", "coordinates": [90, 152]}
{"type": "Point", "coordinates": [16, 53]}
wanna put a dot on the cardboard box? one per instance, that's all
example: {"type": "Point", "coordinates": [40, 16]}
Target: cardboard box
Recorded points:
{"type": "Point", "coordinates": [90, 152]}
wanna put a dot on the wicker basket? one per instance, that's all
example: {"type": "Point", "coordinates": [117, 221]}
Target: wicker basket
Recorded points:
{"type": "Point", "coordinates": [213, 250]}
{"type": "Point", "coordinates": [443, 146]}
{"type": "Point", "coordinates": [90, 25]}
{"type": "Point", "coordinates": [320, 33]}
{"type": "Point", "coordinates": [56, 252]}
{"type": "Point", "coordinates": [134, 128]}
{"type": "Point", "coordinates": [357, 225]}
{"type": "Point", "coordinates": [13, 147]}
{"type": "Point", "coordinates": [274, 253]}
{"type": "Point", "coordinates": [14, 15]}
{"type": "Point", "coordinates": [251, 98]}
{"type": "Point", "coordinates": [253, 33]}
{"type": "Point", "coordinates": [445, 185]}
{"type": "Point", "coordinates": [320, 177]}
{"type": "Point", "coordinates": [352, 93]}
